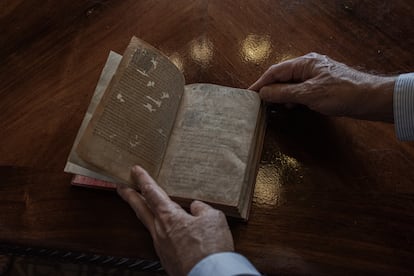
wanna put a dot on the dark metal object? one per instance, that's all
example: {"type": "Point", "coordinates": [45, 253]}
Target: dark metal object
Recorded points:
{"type": "Point", "coordinates": [78, 257]}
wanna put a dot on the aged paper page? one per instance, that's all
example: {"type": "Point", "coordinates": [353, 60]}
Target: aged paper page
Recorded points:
{"type": "Point", "coordinates": [209, 149]}
{"type": "Point", "coordinates": [133, 121]}
{"type": "Point", "coordinates": [256, 150]}
{"type": "Point", "coordinates": [74, 164]}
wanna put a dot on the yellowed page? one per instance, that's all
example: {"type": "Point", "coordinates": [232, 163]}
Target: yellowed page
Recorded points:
{"type": "Point", "coordinates": [208, 152]}
{"type": "Point", "coordinates": [133, 121]}
{"type": "Point", "coordinates": [74, 164]}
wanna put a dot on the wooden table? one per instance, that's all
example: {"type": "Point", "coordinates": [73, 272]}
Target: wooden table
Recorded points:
{"type": "Point", "coordinates": [334, 196]}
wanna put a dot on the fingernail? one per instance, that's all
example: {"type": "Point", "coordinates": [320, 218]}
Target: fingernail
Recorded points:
{"type": "Point", "coordinates": [136, 171]}
{"type": "Point", "coordinates": [135, 168]}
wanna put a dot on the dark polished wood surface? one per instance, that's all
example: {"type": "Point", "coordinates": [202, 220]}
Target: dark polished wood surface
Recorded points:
{"type": "Point", "coordinates": [334, 195]}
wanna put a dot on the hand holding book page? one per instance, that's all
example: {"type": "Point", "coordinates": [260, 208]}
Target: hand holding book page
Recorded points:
{"type": "Point", "coordinates": [329, 87]}
{"type": "Point", "coordinates": [181, 239]}
{"type": "Point", "coordinates": [201, 141]}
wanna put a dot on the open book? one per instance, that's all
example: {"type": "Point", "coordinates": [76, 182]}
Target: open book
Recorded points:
{"type": "Point", "coordinates": [198, 141]}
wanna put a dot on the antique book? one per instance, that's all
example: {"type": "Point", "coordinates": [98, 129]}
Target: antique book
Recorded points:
{"type": "Point", "coordinates": [198, 141]}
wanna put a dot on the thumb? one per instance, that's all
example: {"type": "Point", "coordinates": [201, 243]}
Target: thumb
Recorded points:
{"type": "Point", "coordinates": [283, 93]}
{"type": "Point", "coordinates": [199, 208]}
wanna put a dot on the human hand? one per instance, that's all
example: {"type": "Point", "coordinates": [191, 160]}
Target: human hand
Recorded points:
{"type": "Point", "coordinates": [328, 87]}
{"type": "Point", "coordinates": [181, 239]}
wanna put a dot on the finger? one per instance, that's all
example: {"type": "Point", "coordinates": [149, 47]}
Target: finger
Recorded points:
{"type": "Point", "coordinates": [158, 201]}
{"type": "Point", "coordinates": [284, 93]}
{"type": "Point", "coordinates": [283, 72]}
{"type": "Point", "coordinates": [199, 208]}
{"type": "Point", "coordinates": [137, 203]}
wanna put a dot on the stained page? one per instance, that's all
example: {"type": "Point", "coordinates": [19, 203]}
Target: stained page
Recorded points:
{"type": "Point", "coordinates": [134, 119]}
{"type": "Point", "coordinates": [209, 149]}
{"type": "Point", "coordinates": [74, 164]}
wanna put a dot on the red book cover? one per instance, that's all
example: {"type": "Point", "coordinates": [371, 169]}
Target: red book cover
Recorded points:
{"type": "Point", "coordinates": [89, 182]}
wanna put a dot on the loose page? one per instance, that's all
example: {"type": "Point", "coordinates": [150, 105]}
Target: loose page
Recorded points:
{"type": "Point", "coordinates": [209, 149]}
{"type": "Point", "coordinates": [74, 164]}
{"type": "Point", "coordinates": [134, 119]}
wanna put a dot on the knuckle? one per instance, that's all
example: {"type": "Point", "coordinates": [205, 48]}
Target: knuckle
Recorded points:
{"type": "Point", "coordinates": [315, 63]}
{"type": "Point", "coordinates": [169, 210]}
{"type": "Point", "coordinates": [172, 221]}
{"type": "Point", "coordinates": [128, 195]}
{"type": "Point", "coordinates": [166, 217]}
{"type": "Point", "coordinates": [146, 188]}
{"type": "Point", "coordinates": [308, 85]}
{"type": "Point", "coordinates": [313, 56]}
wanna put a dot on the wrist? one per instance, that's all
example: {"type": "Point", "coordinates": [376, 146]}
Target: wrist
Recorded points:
{"type": "Point", "coordinates": [379, 104]}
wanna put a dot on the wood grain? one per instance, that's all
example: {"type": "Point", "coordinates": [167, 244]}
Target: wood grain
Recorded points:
{"type": "Point", "coordinates": [334, 195]}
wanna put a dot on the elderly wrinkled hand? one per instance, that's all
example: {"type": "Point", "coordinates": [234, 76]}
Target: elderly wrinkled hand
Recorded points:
{"type": "Point", "coordinates": [328, 87]}
{"type": "Point", "coordinates": [180, 239]}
